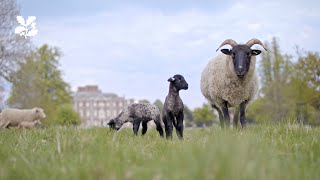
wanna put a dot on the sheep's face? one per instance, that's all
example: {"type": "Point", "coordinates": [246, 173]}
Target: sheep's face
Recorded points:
{"type": "Point", "coordinates": [241, 56]}
{"type": "Point", "coordinates": [114, 124]}
{"type": "Point", "coordinates": [39, 113]}
{"type": "Point", "coordinates": [179, 82]}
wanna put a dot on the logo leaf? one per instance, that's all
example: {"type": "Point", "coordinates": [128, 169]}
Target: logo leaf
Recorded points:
{"type": "Point", "coordinates": [19, 29]}
{"type": "Point", "coordinates": [30, 20]}
{"type": "Point", "coordinates": [21, 21]}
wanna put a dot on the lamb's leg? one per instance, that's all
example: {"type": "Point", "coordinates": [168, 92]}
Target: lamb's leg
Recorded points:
{"type": "Point", "coordinates": [136, 124]}
{"type": "Point", "coordinates": [225, 111]}
{"type": "Point", "coordinates": [168, 126]}
{"type": "Point", "coordinates": [159, 126]}
{"type": "Point", "coordinates": [243, 106]}
{"type": "Point", "coordinates": [179, 126]}
{"type": "Point", "coordinates": [144, 127]}
{"type": "Point", "coordinates": [220, 115]}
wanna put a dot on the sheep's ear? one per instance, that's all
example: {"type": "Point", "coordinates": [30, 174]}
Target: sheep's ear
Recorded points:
{"type": "Point", "coordinates": [226, 51]}
{"type": "Point", "coordinates": [255, 52]}
{"type": "Point", "coordinates": [171, 79]}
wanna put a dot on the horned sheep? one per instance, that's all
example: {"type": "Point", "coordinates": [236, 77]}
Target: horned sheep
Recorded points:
{"type": "Point", "coordinates": [230, 79]}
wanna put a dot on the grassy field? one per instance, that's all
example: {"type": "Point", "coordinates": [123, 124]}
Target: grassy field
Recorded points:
{"type": "Point", "coordinates": [259, 152]}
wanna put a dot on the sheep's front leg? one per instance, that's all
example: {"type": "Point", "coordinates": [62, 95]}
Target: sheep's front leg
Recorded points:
{"type": "Point", "coordinates": [243, 106]}
{"type": "Point", "coordinates": [5, 124]}
{"type": "Point", "coordinates": [159, 126]}
{"type": "Point", "coordinates": [136, 124]}
{"type": "Point", "coordinates": [179, 126]}
{"type": "Point", "coordinates": [225, 111]}
{"type": "Point", "coordinates": [144, 127]}
{"type": "Point", "coordinates": [236, 117]}
{"type": "Point", "coordinates": [220, 115]}
{"type": "Point", "coordinates": [168, 120]}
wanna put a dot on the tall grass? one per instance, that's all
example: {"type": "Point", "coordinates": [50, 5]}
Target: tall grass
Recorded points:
{"type": "Point", "coordinates": [258, 152]}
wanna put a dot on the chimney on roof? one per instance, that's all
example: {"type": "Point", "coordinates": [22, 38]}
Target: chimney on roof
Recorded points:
{"type": "Point", "coordinates": [89, 88]}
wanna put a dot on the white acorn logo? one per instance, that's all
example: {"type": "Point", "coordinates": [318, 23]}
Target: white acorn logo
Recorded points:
{"type": "Point", "coordinates": [27, 28]}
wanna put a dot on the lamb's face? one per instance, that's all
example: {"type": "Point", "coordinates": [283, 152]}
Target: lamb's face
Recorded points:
{"type": "Point", "coordinates": [114, 124]}
{"type": "Point", "coordinates": [241, 57]}
{"type": "Point", "coordinates": [39, 113]}
{"type": "Point", "coordinates": [179, 82]}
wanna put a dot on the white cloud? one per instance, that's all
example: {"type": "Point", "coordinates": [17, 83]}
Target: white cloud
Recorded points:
{"type": "Point", "coordinates": [133, 51]}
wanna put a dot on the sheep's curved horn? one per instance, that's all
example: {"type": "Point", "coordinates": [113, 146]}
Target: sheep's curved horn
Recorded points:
{"type": "Point", "coordinates": [254, 41]}
{"type": "Point", "coordinates": [231, 42]}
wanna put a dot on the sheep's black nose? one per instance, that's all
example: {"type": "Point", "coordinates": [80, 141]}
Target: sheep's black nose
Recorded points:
{"type": "Point", "coordinates": [240, 69]}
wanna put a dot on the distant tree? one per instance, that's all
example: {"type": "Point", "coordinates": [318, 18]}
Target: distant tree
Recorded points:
{"type": "Point", "coordinates": [203, 114]}
{"type": "Point", "coordinates": [13, 48]}
{"type": "Point", "coordinates": [39, 82]}
{"type": "Point", "coordinates": [159, 104]}
{"type": "Point", "coordinates": [188, 116]}
{"type": "Point", "coordinates": [67, 116]}
{"type": "Point", "coordinates": [275, 69]}
{"type": "Point", "coordinates": [144, 101]}
{"type": "Point", "coordinates": [289, 89]}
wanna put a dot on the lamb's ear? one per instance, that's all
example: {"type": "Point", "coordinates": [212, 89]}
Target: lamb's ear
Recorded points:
{"type": "Point", "coordinates": [171, 79]}
{"type": "Point", "coordinates": [226, 51]}
{"type": "Point", "coordinates": [255, 52]}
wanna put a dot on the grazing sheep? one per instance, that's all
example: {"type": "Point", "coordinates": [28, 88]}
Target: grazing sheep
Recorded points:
{"type": "Point", "coordinates": [230, 79]}
{"type": "Point", "coordinates": [137, 113]}
{"type": "Point", "coordinates": [172, 113]}
{"type": "Point", "coordinates": [28, 125]}
{"type": "Point", "coordinates": [13, 117]}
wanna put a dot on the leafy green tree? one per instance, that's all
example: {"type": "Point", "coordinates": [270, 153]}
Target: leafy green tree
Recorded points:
{"type": "Point", "coordinates": [289, 88]}
{"type": "Point", "coordinates": [275, 69]}
{"type": "Point", "coordinates": [203, 114]}
{"type": "Point", "coordinates": [144, 101]}
{"type": "Point", "coordinates": [38, 82]}
{"type": "Point", "coordinates": [188, 116]}
{"type": "Point", "coordinates": [159, 104]}
{"type": "Point", "coordinates": [67, 116]}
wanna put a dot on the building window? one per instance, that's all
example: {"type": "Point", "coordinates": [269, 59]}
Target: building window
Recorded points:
{"type": "Point", "coordinates": [88, 104]}
{"type": "Point", "coordinates": [95, 113]}
{"type": "Point", "coordinates": [94, 104]}
{"type": "Point", "coordinates": [120, 104]}
{"type": "Point", "coordinates": [101, 104]}
{"type": "Point", "coordinates": [114, 104]}
{"type": "Point", "coordinates": [81, 113]}
{"type": "Point", "coordinates": [108, 104]}
{"type": "Point", "coordinates": [101, 113]}
{"type": "Point", "coordinates": [88, 114]}
{"type": "Point", "coordinates": [80, 104]}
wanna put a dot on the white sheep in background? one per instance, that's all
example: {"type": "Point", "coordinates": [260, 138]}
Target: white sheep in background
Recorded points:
{"type": "Point", "coordinates": [28, 125]}
{"type": "Point", "coordinates": [11, 117]}
{"type": "Point", "coordinates": [230, 80]}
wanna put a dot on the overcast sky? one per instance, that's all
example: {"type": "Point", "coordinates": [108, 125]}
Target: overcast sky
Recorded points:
{"type": "Point", "coordinates": [132, 48]}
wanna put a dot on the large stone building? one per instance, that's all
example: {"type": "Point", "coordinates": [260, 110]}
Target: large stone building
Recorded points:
{"type": "Point", "coordinates": [97, 108]}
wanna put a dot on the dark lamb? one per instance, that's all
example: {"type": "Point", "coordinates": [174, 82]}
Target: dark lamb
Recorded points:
{"type": "Point", "coordinates": [173, 107]}
{"type": "Point", "coordinates": [138, 113]}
